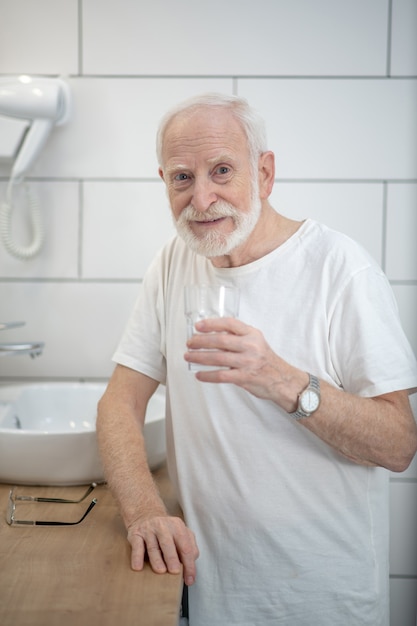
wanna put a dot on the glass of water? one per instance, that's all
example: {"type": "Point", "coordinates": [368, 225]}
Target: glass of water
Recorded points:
{"type": "Point", "coordinates": [208, 301]}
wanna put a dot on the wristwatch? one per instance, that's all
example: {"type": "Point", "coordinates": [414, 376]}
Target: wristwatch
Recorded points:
{"type": "Point", "coordinates": [308, 400]}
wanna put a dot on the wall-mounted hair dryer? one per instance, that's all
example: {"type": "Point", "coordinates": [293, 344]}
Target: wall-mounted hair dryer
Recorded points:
{"type": "Point", "coordinates": [44, 103]}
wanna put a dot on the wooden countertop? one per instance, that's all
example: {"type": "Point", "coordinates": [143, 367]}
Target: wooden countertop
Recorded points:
{"type": "Point", "coordinates": [79, 575]}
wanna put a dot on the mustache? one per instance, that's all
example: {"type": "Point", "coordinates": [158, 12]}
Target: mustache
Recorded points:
{"type": "Point", "coordinates": [216, 211]}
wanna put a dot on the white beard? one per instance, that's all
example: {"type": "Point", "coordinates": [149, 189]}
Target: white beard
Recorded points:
{"type": "Point", "coordinates": [214, 242]}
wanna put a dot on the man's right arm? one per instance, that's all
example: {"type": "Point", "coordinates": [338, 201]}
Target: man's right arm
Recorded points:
{"type": "Point", "coordinates": [121, 415]}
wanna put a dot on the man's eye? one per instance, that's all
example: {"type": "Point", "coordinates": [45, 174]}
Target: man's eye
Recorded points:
{"type": "Point", "coordinates": [181, 177]}
{"type": "Point", "coordinates": [222, 169]}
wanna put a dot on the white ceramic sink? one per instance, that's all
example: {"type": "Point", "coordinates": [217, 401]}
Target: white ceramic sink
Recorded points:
{"type": "Point", "coordinates": [48, 433]}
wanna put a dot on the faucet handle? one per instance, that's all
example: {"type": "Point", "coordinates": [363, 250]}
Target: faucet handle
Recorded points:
{"type": "Point", "coordinates": [7, 325]}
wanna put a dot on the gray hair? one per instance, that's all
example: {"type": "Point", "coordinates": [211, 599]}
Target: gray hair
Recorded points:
{"type": "Point", "coordinates": [252, 124]}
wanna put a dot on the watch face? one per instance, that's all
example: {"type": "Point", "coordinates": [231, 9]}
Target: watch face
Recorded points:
{"type": "Point", "coordinates": [309, 401]}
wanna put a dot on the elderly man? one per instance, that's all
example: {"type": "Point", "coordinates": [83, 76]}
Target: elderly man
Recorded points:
{"type": "Point", "coordinates": [279, 457]}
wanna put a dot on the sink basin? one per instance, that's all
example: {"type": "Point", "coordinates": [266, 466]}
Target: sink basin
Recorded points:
{"type": "Point", "coordinates": [48, 433]}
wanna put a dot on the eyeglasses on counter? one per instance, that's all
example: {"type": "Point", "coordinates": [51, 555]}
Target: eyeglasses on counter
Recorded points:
{"type": "Point", "coordinates": [14, 498]}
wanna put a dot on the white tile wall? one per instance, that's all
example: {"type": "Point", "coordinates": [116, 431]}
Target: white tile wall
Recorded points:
{"type": "Point", "coordinates": [403, 507]}
{"type": "Point", "coordinates": [39, 37]}
{"type": "Point", "coordinates": [337, 84]}
{"type": "Point", "coordinates": [80, 322]}
{"type": "Point", "coordinates": [401, 231]}
{"type": "Point", "coordinates": [238, 37]}
{"type": "Point", "coordinates": [406, 296]}
{"type": "Point", "coordinates": [341, 128]}
{"type": "Point", "coordinates": [124, 226]}
{"type": "Point", "coordinates": [404, 40]}
{"type": "Point", "coordinates": [59, 205]}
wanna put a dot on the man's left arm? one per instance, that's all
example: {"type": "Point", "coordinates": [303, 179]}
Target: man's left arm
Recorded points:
{"type": "Point", "coordinates": [369, 431]}
{"type": "Point", "coordinates": [377, 431]}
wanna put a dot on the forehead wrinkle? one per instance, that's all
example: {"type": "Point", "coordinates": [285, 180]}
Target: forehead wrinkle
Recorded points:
{"type": "Point", "coordinates": [221, 156]}
{"type": "Point", "coordinates": [183, 153]}
{"type": "Point", "coordinates": [199, 144]}
{"type": "Point", "coordinates": [191, 134]}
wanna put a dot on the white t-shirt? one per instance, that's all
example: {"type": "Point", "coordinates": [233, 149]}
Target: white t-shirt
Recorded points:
{"type": "Point", "coordinates": [290, 533]}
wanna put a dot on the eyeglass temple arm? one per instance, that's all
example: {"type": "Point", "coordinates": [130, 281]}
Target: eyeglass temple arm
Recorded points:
{"type": "Point", "coordinates": [92, 504]}
{"type": "Point", "coordinates": [41, 523]}
{"type": "Point", "coordinates": [59, 500]}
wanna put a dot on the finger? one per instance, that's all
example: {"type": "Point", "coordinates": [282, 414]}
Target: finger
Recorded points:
{"type": "Point", "coordinates": [188, 551]}
{"type": "Point", "coordinates": [150, 545]}
{"type": "Point", "coordinates": [215, 341]}
{"type": "Point", "coordinates": [213, 347]}
{"type": "Point", "coordinates": [156, 559]}
{"type": "Point", "coordinates": [138, 552]}
{"type": "Point", "coordinates": [221, 324]}
{"type": "Point", "coordinates": [168, 552]}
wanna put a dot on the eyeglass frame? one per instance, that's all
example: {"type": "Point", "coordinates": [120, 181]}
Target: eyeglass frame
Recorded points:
{"type": "Point", "coordinates": [11, 508]}
{"type": "Point", "coordinates": [59, 500]}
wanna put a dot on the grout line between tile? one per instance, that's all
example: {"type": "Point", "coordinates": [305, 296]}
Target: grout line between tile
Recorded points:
{"type": "Point", "coordinates": [389, 39]}
{"type": "Point", "coordinates": [80, 38]}
{"type": "Point", "coordinates": [80, 228]}
{"type": "Point", "coordinates": [384, 226]}
{"type": "Point", "coordinates": [246, 76]}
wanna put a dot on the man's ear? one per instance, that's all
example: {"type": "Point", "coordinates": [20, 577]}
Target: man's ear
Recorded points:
{"type": "Point", "coordinates": [266, 173]}
{"type": "Point", "coordinates": [161, 173]}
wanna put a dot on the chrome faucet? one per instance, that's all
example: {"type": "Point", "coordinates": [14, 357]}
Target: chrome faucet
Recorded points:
{"type": "Point", "coordinates": [33, 348]}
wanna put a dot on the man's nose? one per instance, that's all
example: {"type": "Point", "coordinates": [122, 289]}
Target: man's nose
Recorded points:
{"type": "Point", "coordinates": [203, 194]}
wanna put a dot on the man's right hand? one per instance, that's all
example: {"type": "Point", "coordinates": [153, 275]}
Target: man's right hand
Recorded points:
{"type": "Point", "coordinates": [168, 543]}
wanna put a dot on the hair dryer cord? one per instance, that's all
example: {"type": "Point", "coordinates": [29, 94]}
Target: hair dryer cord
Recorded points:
{"type": "Point", "coordinates": [21, 252]}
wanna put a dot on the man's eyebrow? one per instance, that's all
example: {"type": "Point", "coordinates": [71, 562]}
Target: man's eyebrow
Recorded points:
{"type": "Point", "coordinates": [173, 169]}
{"type": "Point", "coordinates": [225, 157]}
